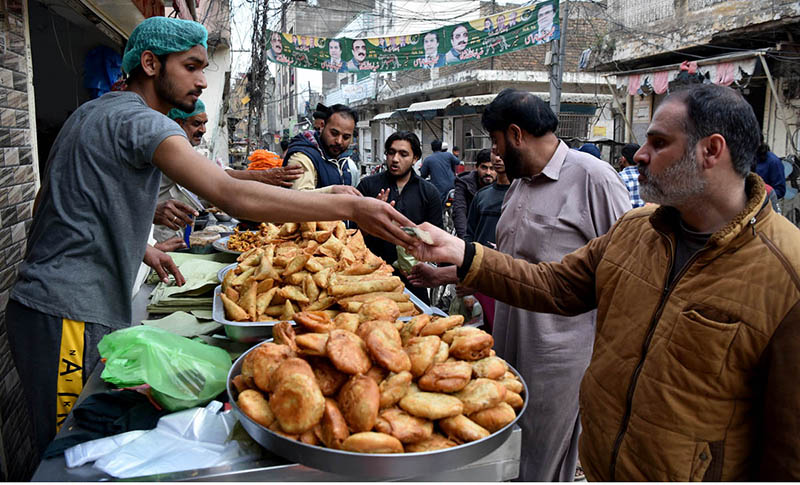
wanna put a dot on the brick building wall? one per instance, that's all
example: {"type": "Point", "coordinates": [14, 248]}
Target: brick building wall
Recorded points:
{"type": "Point", "coordinates": [17, 191]}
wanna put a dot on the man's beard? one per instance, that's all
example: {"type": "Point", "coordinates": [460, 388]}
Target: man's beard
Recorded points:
{"type": "Point", "coordinates": [676, 185]}
{"type": "Point", "coordinates": [167, 91]}
{"type": "Point", "coordinates": [513, 162]}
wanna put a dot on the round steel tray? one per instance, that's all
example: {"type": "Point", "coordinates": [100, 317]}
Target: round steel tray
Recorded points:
{"type": "Point", "coordinates": [221, 245]}
{"type": "Point", "coordinates": [374, 466]}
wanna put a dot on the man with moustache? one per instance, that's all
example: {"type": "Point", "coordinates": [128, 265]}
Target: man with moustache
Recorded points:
{"type": "Point", "coordinates": [467, 184]}
{"type": "Point", "coordinates": [95, 208]}
{"type": "Point", "coordinates": [320, 153]}
{"type": "Point", "coordinates": [399, 185]}
{"type": "Point", "coordinates": [695, 363]}
{"type": "Point", "coordinates": [359, 54]}
{"type": "Point", "coordinates": [559, 200]}
{"type": "Point", "coordinates": [458, 39]}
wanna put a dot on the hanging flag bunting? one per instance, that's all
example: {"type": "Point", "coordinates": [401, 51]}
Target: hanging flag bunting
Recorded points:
{"type": "Point", "coordinates": [488, 36]}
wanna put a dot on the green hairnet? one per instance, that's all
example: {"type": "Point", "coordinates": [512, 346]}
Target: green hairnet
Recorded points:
{"type": "Point", "coordinates": [162, 35]}
{"type": "Point", "coordinates": [177, 114]}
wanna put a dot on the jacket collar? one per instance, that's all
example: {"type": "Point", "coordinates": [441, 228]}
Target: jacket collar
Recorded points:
{"type": "Point", "coordinates": [665, 218]}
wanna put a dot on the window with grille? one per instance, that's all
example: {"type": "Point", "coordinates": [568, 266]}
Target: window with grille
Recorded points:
{"type": "Point", "coordinates": [573, 125]}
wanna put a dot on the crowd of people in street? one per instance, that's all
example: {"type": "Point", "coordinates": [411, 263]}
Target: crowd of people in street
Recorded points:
{"type": "Point", "coordinates": [651, 312]}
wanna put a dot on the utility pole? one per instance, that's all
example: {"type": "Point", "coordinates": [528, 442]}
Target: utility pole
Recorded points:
{"type": "Point", "coordinates": [558, 52]}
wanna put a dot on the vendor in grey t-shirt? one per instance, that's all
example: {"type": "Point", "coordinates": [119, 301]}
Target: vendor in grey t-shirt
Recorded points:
{"type": "Point", "coordinates": [96, 205]}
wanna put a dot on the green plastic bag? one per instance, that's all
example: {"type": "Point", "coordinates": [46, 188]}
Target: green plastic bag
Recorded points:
{"type": "Point", "coordinates": [182, 373]}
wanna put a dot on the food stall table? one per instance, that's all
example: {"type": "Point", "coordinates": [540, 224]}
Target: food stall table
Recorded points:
{"type": "Point", "coordinates": [500, 465]}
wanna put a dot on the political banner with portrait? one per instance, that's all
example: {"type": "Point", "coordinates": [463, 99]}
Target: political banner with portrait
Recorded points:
{"type": "Point", "coordinates": [480, 38]}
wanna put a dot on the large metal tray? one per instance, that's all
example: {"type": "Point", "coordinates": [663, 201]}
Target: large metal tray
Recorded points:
{"type": "Point", "coordinates": [258, 331]}
{"type": "Point", "coordinates": [374, 466]}
{"type": "Point", "coordinates": [221, 245]}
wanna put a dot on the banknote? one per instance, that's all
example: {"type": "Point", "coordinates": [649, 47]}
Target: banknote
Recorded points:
{"type": "Point", "coordinates": [418, 233]}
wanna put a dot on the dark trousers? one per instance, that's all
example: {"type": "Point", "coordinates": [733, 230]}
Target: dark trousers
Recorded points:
{"type": "Point", "coordinates": [54, 357]}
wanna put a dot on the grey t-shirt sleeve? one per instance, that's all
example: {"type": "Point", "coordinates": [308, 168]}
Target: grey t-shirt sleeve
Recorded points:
{"type": "Point", "coordinates": [140, 133]}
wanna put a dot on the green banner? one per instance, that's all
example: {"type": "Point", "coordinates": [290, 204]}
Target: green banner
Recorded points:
{"type": "Point", "coordinates": [483, 37]}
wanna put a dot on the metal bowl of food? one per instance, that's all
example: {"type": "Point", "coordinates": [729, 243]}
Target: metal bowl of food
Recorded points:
{"type": "Point", "coordinates": [368, 465]}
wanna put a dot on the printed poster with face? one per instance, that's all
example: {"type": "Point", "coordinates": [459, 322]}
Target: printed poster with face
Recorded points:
{"type": "Point", "coordinates": [480, 38]}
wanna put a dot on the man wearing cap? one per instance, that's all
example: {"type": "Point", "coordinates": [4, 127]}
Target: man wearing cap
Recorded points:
{"type": "Point", "coordinates": [630, 173]}
{"type": "Point", "coordinates": [96, 205]}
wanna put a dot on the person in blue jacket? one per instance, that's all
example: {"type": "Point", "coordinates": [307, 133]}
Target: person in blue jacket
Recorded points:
{"type": "Point", "coordinates": [770, 168]}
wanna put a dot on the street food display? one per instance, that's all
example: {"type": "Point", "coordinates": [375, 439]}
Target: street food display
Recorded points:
{"type": "Point", "coordinates": [319, 268]}
{"type": "Point", "coordinates": [369, 383]}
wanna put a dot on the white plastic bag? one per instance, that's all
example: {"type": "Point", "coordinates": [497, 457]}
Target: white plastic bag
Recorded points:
{"type": "Point", "coordinates": [186, 440]}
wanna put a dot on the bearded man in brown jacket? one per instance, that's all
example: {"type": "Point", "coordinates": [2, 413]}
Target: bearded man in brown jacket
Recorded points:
{"type": "Point", "coordinates": [695, 362]}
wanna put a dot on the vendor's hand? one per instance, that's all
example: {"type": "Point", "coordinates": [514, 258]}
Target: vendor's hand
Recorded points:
{"type": "Point", "coordinates": [345, 189]}
{"type": "Point", "coordinates": [383, 195]}
{"type": "Point", "coordinates": [428, 276]}
{"type": "Point", "coordinates": [174, 214]}
{"type": "Point", "coordinates": [446, 248]}
{"type": "Point", "coordinates": [170, 244]}
{"type": "Point", "coordinates": [382, 220]}
{"type": "Point", "coordinates": [163, 264]}
{"type": "Point", "coordinates": [278, 176]}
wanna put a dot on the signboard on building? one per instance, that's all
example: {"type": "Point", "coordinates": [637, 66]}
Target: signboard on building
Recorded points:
{"type": "Point", "coordinates": [482, 37]}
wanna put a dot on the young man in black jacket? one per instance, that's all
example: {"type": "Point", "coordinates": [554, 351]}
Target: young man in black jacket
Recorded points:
{"type": "Point", "coordinates": [467, 185]}
{"type": "Point", "coordinates": [415, 198]}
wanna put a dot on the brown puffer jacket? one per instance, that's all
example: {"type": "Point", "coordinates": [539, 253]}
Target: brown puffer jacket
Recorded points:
{"type": "Point", "coordinates": [693, 381]}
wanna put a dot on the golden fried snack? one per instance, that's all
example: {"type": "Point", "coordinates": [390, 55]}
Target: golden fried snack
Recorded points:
{"type": "Point", "coordinates": [359, 401]}
{"type": "Point", "coordinates": [393, 388]}
{"type": "Point", "coordinates": [263, 301]}
{"type": "Point", "coordinates": [370, 442]}
{"type": "Point", "coordinates": [347, 352]}
{"type": "Point", "coordinates": [397, 296]}
{"type": "Point", "coordinates": [314, 266]}
{"type": "Point", "coordinates": [247, 299]}
{"type": "Point", "coordinates": [311, 289]}
{"type": "Point", "coordinates": [288, 228]}
{"type": "Point", "coordinates": [243, 277]}
{"type": "Point", "coordinates": [413, 327]}
{"type": "Point", "coordinates": [312, 344]}
{"type": "Point", "coordinates": [276, 427]}
{"type": "Point", "coordinates": [489, 367]}
{"type": "Point", "coordinates": [288, 311]}
{"type": "Point", "coordinates": [449, 335]}
{"type": "Point", "coordinates": [421, 351]}
{"type": "Point", "coordinates": [294, 293]}
{"type": "Point", "coordinates": [369, 286]}
{"type": "Point", "coordinates": [240, 383]}
{"type": "Point", "coordinates": [309, 437]}
{"type": "Point", "coordinates": [377, 373]}
{"type": "Point", "coordinates": [331, 247]}
{"type": "Point", "coordinates": [441, 325]}
{"type": "Point", "coordinates": [435, 442]}
{"type": "Point", "coordinates": [292, 365]}
{"type": "Point", "coordinates": [233, 312]}
{"type": "Point", "coordinates": [283, 334]}
{"type": "Point", "coordinates": [322, 304]}
{"type": "Point", "coordinates": [365, 328]}
{"type": "Point", "coordinates": [298, 279]}
{"type": "Point", "coordinates": [308, 226]}
{"type": "Point", "coordinates": [512, 384]}
{"type": "Point", "coordinates": [514, 400]}
{"type": "Point", "coordinates": [384, 345]}
{"type": "Point", "coordinates": [403, 426]}
{"type": "Point", "coordinates": [431, 405]}
{"type": "Point", "coordinates": [321, 278]}
{"type": "Point", "coordinates": [265, 285]}
{"type": "Point", "coordinates": [255, 406]}
{"type": "Point", "coordinates": [346, 321]}
{"type": "Point", "coordinates": [442, 354]}
{"type": "Point", "coordinates": [346, 258]}
{"type": "Point", "coordinates": [227, 280]}
{"type": "Point", "coordinates": [333, 428]}
{"type": "Point", "coordinates": [473, 346]}
{"type": "Point", "coordinates": [253, 258]}
{"type": "Point", "coordinates": [446, 377]}
{"type": "Point", "coordinates": [265, 269]}
{"type": "Point", "coordinates": [264, 360]}
{"type": "Point", "coordinates": [329, 379]}
{"type": "Point", "coordinates": [297, 403]}
{"type": "Point", "coordinates": [340, 230]}
{"type": "Point", "coordinates": [314, 321]}
{"type": "Point", "coordinates": [232, 294]}
{"type": "Point", "coordinates": [494, 418]}
{"type": "Point", "coordinates": [481, 394]}
{"type": "Point", "coordinates": [463, 429]}
{"type": "Point", "coordinates": [379, 309]}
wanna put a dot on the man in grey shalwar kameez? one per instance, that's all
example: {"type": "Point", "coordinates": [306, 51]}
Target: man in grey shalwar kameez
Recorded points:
{"type": "Point", "coordinates": [559, 199]}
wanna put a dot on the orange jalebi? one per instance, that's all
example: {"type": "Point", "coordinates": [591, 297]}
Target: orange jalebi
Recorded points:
{"type": "Point", "coordinates": [263, 160]}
